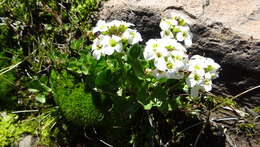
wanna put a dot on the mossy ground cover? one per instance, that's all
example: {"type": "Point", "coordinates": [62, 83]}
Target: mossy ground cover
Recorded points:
{"type": "Point", "coordinates": [45, 67]}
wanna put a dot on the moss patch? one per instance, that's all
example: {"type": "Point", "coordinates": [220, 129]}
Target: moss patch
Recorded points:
{"type": "Point", "coordinates": [78, 105]}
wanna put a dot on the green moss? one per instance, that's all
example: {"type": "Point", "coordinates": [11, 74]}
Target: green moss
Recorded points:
{"type": "Point", "coordinates": [79, 108]}
{"type": "Point", "coordinates": [11, 129]}
{"type": "Point", "coordinates": [247, 128]}
{"type": "Point", "coordinates": [256, 109]}
{"type": "Point", "coordinates": [43, 126]}
{"type": "Point", "coordinates": [77, 105]}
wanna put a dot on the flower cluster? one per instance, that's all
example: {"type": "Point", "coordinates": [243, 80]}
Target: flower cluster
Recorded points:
{"type": "Point", "coordinates": [112, 37]}
{"type": "Point", "coordinates": [169, 57]}
{"type": "Point", "coordinates": [171, 61]}
{"type": "Point", "coordinates": [201, 73]}
{"type": "Point", "coordinates": [168, 54]}
{"type": "Point", "coordinates": [176, 28]}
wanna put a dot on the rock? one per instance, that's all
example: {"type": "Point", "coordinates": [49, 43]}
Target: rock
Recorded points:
{"type": "Point", "coordinates": [226, 30]}
{"type": "Point", "coordinates": [238, 57]}
{"type": "Point", "coordinates": [26, 141]}
{"type": "Point", "coordinates": [242, 16]}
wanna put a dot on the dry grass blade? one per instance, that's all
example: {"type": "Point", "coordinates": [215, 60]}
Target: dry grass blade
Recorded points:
{"type": "Point", "coordinates": [238, 95]}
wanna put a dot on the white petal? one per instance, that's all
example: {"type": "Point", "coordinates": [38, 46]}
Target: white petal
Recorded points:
{"type": "Point", "coordinates": [173, 22]}
{"type": "Point", "coordinates": [137, 38]}
{"type": "Point", "coordinates": [116, 38]}
{"type": "Point", "coordinates": [164, 25]}
{"type": "Point", "coordinates": [118, 47]}
{"type": "Point", "coordinates": [148, 53]}
{"type": "Point", "coordinates": [188, 42]}
{"type": "Point", "coordinates": [207, 87]}
{"type": "Point", "coordinates": [160, 64]}
{"type": "Point", "coordinates": [179, 36]}
{"type": "Point", "coordinates": [96, 54]}
{"type": "Point", "coordinates": [108, 50]}
{"type": "Point", "coordinates": [166, 34]}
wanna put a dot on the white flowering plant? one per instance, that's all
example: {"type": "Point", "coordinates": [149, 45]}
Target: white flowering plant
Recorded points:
{"type": "Point", "coordinates": [157, 73]}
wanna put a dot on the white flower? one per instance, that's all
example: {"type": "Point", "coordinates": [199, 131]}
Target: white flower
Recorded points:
{"type": "Point", "coordinates": [154, 49]}
{"type": "Point", "coordinates": [150, 48]}
{"type": "Point", "coordinates": [166, 34]}
{"type": "Point", "coordinates": [197, 64]}
{"type": "Point", "coordinates": [194, 79]}
{"type": "Point", "coordinates": [98, 47]}
{"type": "Point", "coordinates": [97, 54]}
{"type": "Point", "coordinates": [212, 68]}
{"type": "Point", "coordinates": [167, 24]}
{"type": "Point", "coordinates": [173, 45]}
{"type": "Point", "coordinates": [207, 84]}
{"type": "Point", "coordinates": [169, 56]}
{"type": "Point", "coordinates": [178, 64]}
{"type": "Point", "coordinates": [160, 64]}
{"type": "Point", "coordinates": [132, 36]}
{"type": "Point", "coordinates": [101, 26]}
{"type": "Point", "coordinates": [184, 35]}
{"type": "Point", "coordinates": [112, 44]}
{"type": "Point", "coordinates": [176, 16]}
{"type": "Point", "coordinates": [188, 41]}
{"type": "Point", "coordinates": [106, 45]}
{"type": "Point", "coordinates": [202, 71]}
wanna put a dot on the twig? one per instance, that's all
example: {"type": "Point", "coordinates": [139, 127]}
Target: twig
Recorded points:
{"type": "Point", "coordinates": [102, 141]}
{"type": "Point", "coordinates": [250, 111]}
{"type": "Point", "coordinates": [89, 138]}
{"type": "Point", "coordinates": [255, 119]}
{"type": "Point", "coordinates": [10, 68]}
{"type": "Point", "coordinates": [197, 139]}
{"type": "Point", "coordinates": [7, 69]}
{"type": "Point", "coordinates": [230, 141]}
{"type": "Point", "coordinates": [238, 95]}
{"type": "Point", "coordinates": [225, 119]}
{"type": "Point", "coordinates": [25, 111]}
{"type": "Point", "coordinates": [53, 125]}
{"type": "Point", "coordinates": [242, 93]}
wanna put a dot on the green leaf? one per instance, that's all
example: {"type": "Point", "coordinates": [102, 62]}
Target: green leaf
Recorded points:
{"type": "Point", "coordinates": [33, 90]}
{"type": "Point", "coordinates": [149, 106]}
{"type": "Point", "coordinates": [103, 78]}
{"type": "Point", "coordinates": [84, 70]}
{"type": "Point", "coordinates": [76, 44]}
{"type": "Point", "coordinates": [152, 103]}
{"type": "Point", "coordinates": [135, 51]}
{"type": "Point", "coordinates": [40, 98]}
{"type": "Point", "coordinates": [41, 87]}
{"type": "Point", "coordinates": [136, 63]}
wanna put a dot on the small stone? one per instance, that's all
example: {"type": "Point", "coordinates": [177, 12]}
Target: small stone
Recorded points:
{"type": "Point", "coordinates": [26, 141]}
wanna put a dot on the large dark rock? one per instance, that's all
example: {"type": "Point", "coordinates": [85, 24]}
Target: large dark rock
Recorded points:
{"type": "Point", "coordinates": [222, 36]}
{"type": "Point", "coordinates": [239, 59]}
